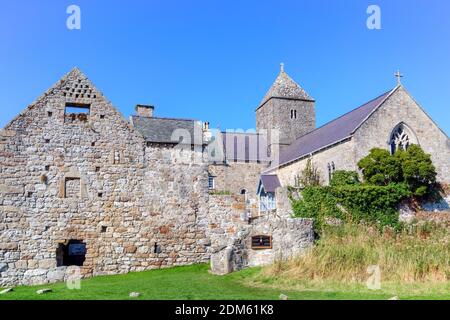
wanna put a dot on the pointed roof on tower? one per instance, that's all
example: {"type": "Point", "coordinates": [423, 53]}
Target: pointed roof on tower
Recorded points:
{"type": "Point", "coordinates": [286, 88]}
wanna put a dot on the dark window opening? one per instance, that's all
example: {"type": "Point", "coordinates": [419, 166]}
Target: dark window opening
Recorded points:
{"type": "Point", "coordinates": [71, 254]}
{"type": "Point", "coordinates": [92, 144]}
{"type": "Point", "coordinates": [243, 191]}
{"type": "Point", "coordinates": [47, 140]}
{"type": "Point", "coordinates": [100, 194]}
{"type": "Point", "coordinates": [261, 242]}
{"type": "Point", "coordinates": [77, 112]}
{"type": "Point", "coordinates": [97, 169]}
{"type": "Point", "coordinates": [102, 116]}
{"type": "Point", "coordinates": [29, 194]}
{"type": "Point", "coordinates": [47, 168]}
{"type": "Point", "coordinates": [211, 182]}
{"type": "Point", "coordinates": [156, 248]}
{"type": "Point", "coordinates": [49, 113]}
{"type": "Point", "coordinates": [104, 228]}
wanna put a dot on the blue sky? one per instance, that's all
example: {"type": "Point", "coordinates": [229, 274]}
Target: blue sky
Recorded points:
{"type": "Point", "coordinates": [215, 59]}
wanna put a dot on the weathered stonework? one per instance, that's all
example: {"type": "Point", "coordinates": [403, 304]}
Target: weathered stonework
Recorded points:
{"type": "Point", "coordinates": [93, 180]}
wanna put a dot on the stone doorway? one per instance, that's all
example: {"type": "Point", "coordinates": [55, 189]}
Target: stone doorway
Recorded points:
{"type": "Point", "coordinates": [71, 253]}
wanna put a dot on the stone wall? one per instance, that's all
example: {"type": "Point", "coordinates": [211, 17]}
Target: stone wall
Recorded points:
{"type": "Point", "coordinates": [342, 155]}
{"type": "Point", "coordinates": [93, 179]}
{"type": "Point", "coordinates": [232, 232]}
{"type": "Point", "coordinates": [236, 176]}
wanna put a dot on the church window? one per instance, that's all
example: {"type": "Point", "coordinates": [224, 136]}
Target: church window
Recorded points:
{"type": "Point", "coordinates": [293, 114]}
{"type": "Point", "coordinates": [211, 182]}
{"type": "Point", "coordinates": [261, 242]}
{"type": "Point", "coordinates": [400, 139]}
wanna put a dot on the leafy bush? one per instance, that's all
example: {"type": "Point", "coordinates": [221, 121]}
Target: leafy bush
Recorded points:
{"type": "Point", "coordinates": [418, 170]}
{"type": "Point", "coordinates": [361, 203]}
{"type": "Point", "coordinates": [344, 178]}
{"type": "Point", "coordinates": [380, 168]}
{"type": "Point", "coordinates": [413, 167]}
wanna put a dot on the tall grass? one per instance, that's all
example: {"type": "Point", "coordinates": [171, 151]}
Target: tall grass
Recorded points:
{"type": "Point", "coordinates": [419, 253]}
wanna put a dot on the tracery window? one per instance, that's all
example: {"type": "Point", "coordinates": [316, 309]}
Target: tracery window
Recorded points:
{"type": "Point", "coordinates": [400, 139]}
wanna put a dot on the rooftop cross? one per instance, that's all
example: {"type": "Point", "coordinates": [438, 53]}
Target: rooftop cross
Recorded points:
{"type": "Point", "coordinates": [282, 67]}
{"type": "Point", "coordinates": [399, 77]}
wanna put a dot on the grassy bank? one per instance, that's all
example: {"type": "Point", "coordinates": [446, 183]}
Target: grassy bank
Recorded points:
{"type": "Point", "coordinates": [413, 261]}
{"type": "Point", "coordinates": [195, 283]}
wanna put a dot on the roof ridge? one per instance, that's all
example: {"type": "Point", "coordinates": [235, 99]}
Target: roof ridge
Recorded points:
{"type": "Point", "coordinates": [343, 115]}
{"type": "Point", "coordinates": [163, 118]}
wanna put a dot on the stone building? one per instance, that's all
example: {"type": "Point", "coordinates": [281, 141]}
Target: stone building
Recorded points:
{"type": "Point", "coordinates": [80, 185]}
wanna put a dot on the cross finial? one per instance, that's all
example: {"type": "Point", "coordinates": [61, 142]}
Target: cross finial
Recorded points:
{"type": "Point", "coordinates": [282, 67]}
{"type": "Point", "coordinates": [399, 77]}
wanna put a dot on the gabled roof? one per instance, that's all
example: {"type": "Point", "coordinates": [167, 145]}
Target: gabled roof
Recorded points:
{"type": "Point", "coordinates": [285, 87]}
{"type": "Point", "coordinates": [331, 133]}
{"type": "Point", "coordinates": [161, 130]}
{"type": "Point", "coordinates": [250, 147]}
{"type": "Point", "coordinates": [269, 182]}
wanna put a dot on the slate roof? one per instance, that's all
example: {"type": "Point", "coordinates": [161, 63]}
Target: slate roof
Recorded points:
{"type": "Point", "coordinates": [249, 147]}
{"type": "Point", "coordinates": [160, 130]}
{"type": "Point", "coordinates": [332, 132]}
{"type": "Point", "coordinates": [285, 87]}
{"type": "Point", "coordinates": [270, 182]}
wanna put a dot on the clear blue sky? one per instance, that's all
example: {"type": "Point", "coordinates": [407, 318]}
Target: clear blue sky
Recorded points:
{"type": "Point", "coordinates": [215, 59]}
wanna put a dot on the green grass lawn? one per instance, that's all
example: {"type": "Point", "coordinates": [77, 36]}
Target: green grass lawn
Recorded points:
{"type": "Point", "coordinates": [190, 283]}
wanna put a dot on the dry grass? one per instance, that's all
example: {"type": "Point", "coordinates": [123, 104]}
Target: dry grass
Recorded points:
{"type": "Point", "coordinates": [420, 254]}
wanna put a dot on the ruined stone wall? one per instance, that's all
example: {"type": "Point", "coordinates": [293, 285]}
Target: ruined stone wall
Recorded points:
{"type": "Point", "coordinates": [236, 176]}
{"type": "Point", "coordinates": [400, 107]}
{"type": "Point", "coordinates": [92, 179]}
{"type": "Point", "coordinates": [231, 235]}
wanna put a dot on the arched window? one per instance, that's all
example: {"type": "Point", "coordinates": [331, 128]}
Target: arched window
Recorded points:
{"type": "Point", "coordinates": [243, 191]}
{"type": "Point", "coordinates": [401, 138]}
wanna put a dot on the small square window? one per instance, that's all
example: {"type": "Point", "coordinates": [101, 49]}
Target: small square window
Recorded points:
{"type": "Point", "coordinates": [49, 113]}
{"type": "Point", "coordinates": [47, 140]}
{"type": "Point", "coordinates": [29, 194]}
{"type": "Point", "coordinates": [47, 168]}
{"type": "Point", "coordinates": [97, 169]}
{"type": "Point", "coordinates": [103, 229]}
{"type": "Point", "coordinates": [102, 116]}
{"type": "Point", "coordinates": [92, 144]}
{"type": "Point", "coordinates": [100, 194]}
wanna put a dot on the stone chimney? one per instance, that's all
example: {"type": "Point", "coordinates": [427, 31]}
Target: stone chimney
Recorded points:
{"type": "Point", "coordinates": [145, 110]}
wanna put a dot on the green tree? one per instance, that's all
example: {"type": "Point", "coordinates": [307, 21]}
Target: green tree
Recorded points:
{"type": "Point", "coordinates": [418, 170]}
{"type": "Point", "coordinates": [381, 168]}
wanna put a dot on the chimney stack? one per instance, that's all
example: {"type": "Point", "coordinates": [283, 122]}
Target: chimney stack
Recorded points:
{"type": "Point", "coordinates": [143, 110]}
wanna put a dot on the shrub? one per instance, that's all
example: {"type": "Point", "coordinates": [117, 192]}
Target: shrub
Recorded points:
{"type": "Point", "coordinates": [362, 203]}
{"type": "Point", "coordinates": [309, 177]}
{"type": "Point", "coordinates": [344, 178]}
{"type": "Point", "coordinates": [413, 167]}
{"type": "Point", "coordinates": [381, 168]}
{"type": "Point", "coordinates": [417, 169]}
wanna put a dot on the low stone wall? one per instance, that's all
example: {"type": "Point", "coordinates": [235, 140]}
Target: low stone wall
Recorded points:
{"type": "Point", "coordinates": [232, 235]}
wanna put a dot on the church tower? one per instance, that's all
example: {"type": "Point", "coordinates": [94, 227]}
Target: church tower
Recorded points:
{"type": "Point", "coordinates": [287, 111]}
